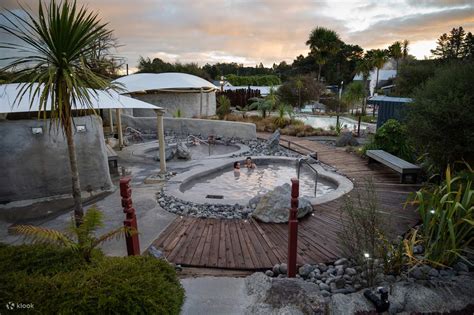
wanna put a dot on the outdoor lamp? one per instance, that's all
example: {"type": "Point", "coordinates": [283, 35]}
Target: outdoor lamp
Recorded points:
{"type": "Point", "coordinates": [81, 128]}
{"type": "Point", "coordinates": [37, 130]}
{"type": "Point", "coordinates": [222, 83]}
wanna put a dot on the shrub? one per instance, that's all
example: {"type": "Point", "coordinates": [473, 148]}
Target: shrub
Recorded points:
{"type": "Point", "coordinates": [441, 118]}
{"type": "Point", "coordinates": [224, 106]}
{"type": "Point", "coordinates": [361, 229]}
{"type": "Point", "coordinates": [413, 74]}
{"type": "Point", "coordinates": [300, 90]}
{"type": "Point", "coordinates": [258, 80]}
{"type": "Point", "coordinates": [447, 214]}
{"type": "Point", "coordinates": [109, 285]}
{"type": "Point", "coordinates": [178, 113]}
{"type": "Point", "coordinates": [281, 120]}
{"type": "Point", "coordinates": [392, 137]}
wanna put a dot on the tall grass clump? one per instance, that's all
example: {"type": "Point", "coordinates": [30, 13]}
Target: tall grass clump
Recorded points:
{"type": "Point", "coordinates": [446, 211]}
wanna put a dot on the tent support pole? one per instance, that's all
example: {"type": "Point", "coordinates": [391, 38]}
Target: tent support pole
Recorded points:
{"type": "Point", "coordinates": [160, 134]}
{"type": "Point", "coordinates": [119, 127]}
{"type": "Point", "coordinates": [111, 119]}
{"type": "Point", "coordinates": [200, 105]}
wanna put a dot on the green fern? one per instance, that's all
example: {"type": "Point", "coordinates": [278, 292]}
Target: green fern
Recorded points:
{"type": "Point", "coordinates": [80, 238]}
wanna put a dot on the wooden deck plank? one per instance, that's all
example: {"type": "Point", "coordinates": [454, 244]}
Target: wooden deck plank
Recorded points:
{"type": "Point", "coordinates": [246, 249]}
{"type": "Point", "coordinates": [222, 253]}
{"type": "Point", "coordinates": [230, 253]}
{"type": "Point", "coordinates": [214, 247]}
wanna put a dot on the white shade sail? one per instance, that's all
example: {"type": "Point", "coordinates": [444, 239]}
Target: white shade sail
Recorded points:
{"type": "Point", "coordinates": [170, 81]}
{"type": "Point", "coordinates": [100, 100]}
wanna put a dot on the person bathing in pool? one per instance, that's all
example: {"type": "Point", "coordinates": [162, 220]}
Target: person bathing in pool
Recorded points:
{"type": "Point", "coordinates": [249, 163]}
{"type": "Point", "coordinates": [237, 169]}
{"type": "Point", "coordinates": [237, 166]}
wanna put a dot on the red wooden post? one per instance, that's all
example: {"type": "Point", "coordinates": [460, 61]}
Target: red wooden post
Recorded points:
{"type": "Point", "coordinates": [293, 228]}
{"type": "Point", "coordinates": [133, 244]}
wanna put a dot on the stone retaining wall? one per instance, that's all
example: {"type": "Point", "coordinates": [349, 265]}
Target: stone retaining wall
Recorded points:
{"type": "Point", "coordinates": [204, 127]}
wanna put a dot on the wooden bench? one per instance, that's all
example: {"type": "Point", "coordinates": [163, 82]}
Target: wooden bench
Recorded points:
{"type": "Point", "coordinates": [112, 157]}
{"type": "Point", "coordinates": [395, 163]}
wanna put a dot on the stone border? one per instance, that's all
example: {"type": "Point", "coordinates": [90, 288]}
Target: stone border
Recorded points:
{"type": "Point", "coordinates": [173, 188]}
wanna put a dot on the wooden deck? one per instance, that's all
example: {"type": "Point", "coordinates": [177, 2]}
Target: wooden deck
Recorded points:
{"type": "Point", "coordinates": [250, 245]}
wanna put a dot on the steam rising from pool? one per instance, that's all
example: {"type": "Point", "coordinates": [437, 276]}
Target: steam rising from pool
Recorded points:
{"type": "Point", "coordinates": [252, 182]}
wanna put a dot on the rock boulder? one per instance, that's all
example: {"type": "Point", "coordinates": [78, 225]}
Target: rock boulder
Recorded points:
{"type": "Point", "coordinates": [345, 139]}
{"type": "Point", "coordinates": [274, 141]}
{"type": "Point", "coordinates": [183, 152]}
{"type": "Point", "coordinates": [169, 154]}
{"type": "Point", "coordinates": [274, 206]}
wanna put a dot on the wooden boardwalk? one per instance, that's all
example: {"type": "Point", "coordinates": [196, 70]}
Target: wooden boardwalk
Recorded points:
{"type": "Point", "coordinates": [250, 245]}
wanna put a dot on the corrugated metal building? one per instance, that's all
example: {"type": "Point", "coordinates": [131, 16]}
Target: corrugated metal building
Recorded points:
{"type": "Point", "coordinates": [389, 107]}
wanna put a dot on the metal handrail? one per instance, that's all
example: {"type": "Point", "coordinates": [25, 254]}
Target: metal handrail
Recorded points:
{"type": "Point", "coordinates": [300, 161]}
{"type": "Point", "coordinates": [202, 141]}
{"type": "Point", "coordinates": [133, 130]}
{"type": "Point", "coordinates": [196, 138]}
{"type": "Point", "coordinates": [138, 134]}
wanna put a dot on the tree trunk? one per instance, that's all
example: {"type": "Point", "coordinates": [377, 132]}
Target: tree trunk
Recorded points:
{"type": "Point", "coordinates": [364, 100]}
{"type": "Point", "coordinates": [319, 72]}
{"type": "Point", "coordinates": [76, 184]}
{"type": "Point", "coordinates": [377, 80]}
{"type": "Point", "coordinates": [299, 98]}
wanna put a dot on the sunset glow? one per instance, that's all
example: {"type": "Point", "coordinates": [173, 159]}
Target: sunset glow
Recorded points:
{"type": "Point", "coordinates": [250, 32]}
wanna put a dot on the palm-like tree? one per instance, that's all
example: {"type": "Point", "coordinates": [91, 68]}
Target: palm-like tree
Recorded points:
{"type": "Point", "coordinates": [56, 49]}
{"type": "Point", "coordinates": [364, 66]}
{"type": "Point", "coordinates": [81, 239]}
{"type": "Point", "coordinates": [299, 85]}
{"type": "Point", "coordinates": [395, 51]}
{"type": "Point", "coordinates": [405, 48]}
{"type": "Point", "coordinates": [379, 57]}
{"type": "Point", "coordinates": [353, 94]}
{"type": "Point", "coordinates": [323, 43]}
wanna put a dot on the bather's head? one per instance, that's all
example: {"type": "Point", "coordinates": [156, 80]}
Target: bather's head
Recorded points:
{"type": "Point", "coordinates": [236, 165]}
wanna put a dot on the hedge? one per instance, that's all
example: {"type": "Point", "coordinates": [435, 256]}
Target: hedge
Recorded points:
{"type": "Point", "coordinates": [59, 281]}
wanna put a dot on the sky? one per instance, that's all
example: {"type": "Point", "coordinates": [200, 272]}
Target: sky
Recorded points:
{"type": "Point", "coordinates": [268, 31]}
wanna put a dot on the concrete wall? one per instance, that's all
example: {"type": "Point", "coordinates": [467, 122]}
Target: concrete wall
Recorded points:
{"type": "Point", "coordinates": [188, 103]}
{"type": "Point", "coordinates": [37, 166]}
{"type": "Point", "coordinates": [202, 127]}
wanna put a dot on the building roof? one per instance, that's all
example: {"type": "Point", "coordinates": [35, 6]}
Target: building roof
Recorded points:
{"type": "Point", "coordinates": [100, 100]}
{"type": "Point", "coordinates": [388, 99]}
{"type": "Point", "coordinates": [168, 81]}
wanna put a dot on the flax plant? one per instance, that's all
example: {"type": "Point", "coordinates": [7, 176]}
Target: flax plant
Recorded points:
{"type": "Point", "coordinates": [447, 212]}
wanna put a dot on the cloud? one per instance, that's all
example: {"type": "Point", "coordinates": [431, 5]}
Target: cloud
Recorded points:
{"type": "Point", "coordinates": [416, 27]}
{"type": "Point", "coordinates": [267, 31]}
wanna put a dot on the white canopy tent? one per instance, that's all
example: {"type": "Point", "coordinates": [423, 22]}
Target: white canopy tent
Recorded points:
{"type": "Point", "coordinates": [168, 81]}
{"type": "Point", "coordinates": [10, 103]}
{"type": "Point", "coordinates": [100, 100]}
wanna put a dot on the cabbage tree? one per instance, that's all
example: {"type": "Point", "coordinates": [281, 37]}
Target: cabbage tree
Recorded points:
{"type": "Point", "coordinates": [56, 49]}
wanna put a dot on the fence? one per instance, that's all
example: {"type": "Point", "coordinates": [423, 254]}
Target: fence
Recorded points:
{"type": "Point", "coordinates": [240, 97]}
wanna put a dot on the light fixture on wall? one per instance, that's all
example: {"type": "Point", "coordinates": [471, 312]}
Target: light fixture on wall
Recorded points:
{"type": "Point", "coordinates": [37, 130]}
{"type": "Point", "coordinates": [81, 128]}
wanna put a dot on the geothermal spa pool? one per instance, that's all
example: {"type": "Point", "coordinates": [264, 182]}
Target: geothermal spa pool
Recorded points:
{"type": "Point", "coordinates": [251, 182]}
